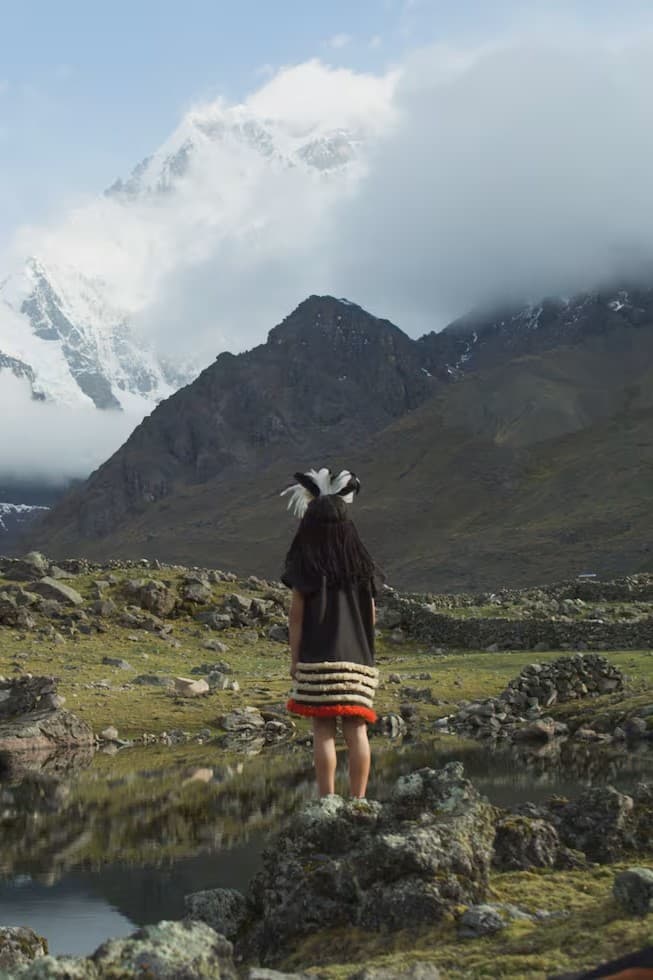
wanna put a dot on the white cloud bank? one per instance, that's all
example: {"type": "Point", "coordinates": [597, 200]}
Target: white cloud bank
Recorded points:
{"type": "Point", "coordinates": [511, 170]}
{"type": "Point", "coordinates": [51, 443]}
{"type": "Point", "coordinates": [515, 171]}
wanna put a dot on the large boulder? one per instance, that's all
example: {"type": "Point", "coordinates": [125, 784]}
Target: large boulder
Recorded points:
{"type": "Point", "coordinates": [633, 889]}
{"type": "Point", "coordinates": [153, 595]}
{"type": "Point", "coordinates": [380, 866]}
{"type": "Point", "coordinates": [168, 951]}
{"type": "Point", "coordinates": [224, 909]}
{"type": "Point", "coordinates": [522, 842]}
{"type": "Point", "coordinates": [31, 717]}
{"type": "Point", "coordinates": [13, 613]}
{"type": "Point", "coordinates": [19, 945]}
{"type": "Point", "coordinates": [24, 694]}
{"type": "Point", "coordinates": [50, 588]}
{"type": "Point", "coordinates": [31, 566]}
{"type": "Point", "coordinates": [55, 968]}
{"type": "Point", "coordinates": [602, 823]}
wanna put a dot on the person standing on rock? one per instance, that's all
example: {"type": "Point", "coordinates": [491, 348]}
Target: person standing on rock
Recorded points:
{"type": "Point", "coordinates": [331, 623]}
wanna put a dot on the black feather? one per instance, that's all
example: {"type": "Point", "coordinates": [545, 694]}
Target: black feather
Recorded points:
{"type": "Point", "coordinates": [308, 483]}
{"type": "Point", "coordinates": [353, 485]}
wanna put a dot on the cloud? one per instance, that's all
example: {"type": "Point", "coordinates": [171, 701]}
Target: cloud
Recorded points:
{"type": "Point", "coordinates": [240, 240]}
{"type": "Point", "coordinates": [375, 42]}
{"type": "Point", "coordinates": [53, 443]}
{"type": "Point", "coordinates": [515, 170]}
{"type": "Point", "coordinates": [339, 41]}
{"type": "Point", "coordinates": [508, 170]}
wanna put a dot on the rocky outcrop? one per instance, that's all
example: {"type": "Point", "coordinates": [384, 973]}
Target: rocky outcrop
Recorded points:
{"type": "Point", "coordinates": [18, 947]}
{"type": "Point", "coordinates": [378, 866]}
{"type": "Point", "coordinates": [153, 595]}
{"type": "Point", "coordinates": [522, 843]}
{"type": "Point", "coordinates": [633, 889]}
{"type": "Point", "coordinates": [538, 687]}
{"type": "Point", "coordinates": [51, 588]}
{"type": "Point", "coordinates": [224, 909]}
{"type": "Point", "coordinates": [32, 717]}
{"type": "Point", "coordinates": [165, 951]}
{"type": "Point", "coordinates": [602, 824]}
{"type": "Point", "coordinates": [32, 566]}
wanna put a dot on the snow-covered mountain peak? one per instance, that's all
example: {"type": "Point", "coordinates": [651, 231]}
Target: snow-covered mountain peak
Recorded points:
{"type": "Point", "coordinates": [125, 297]}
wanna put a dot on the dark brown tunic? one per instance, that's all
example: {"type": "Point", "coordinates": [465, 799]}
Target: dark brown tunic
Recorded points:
{"type": "Point", "coordinates": [336, 673]}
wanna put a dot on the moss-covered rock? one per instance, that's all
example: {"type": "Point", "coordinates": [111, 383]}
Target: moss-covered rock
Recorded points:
{"type": "Point", "coordinates": [19, 945]}
{"type": "Point", "coordinates": [167, 951]}
{"type": "Point", "coordinates": [385, 866]}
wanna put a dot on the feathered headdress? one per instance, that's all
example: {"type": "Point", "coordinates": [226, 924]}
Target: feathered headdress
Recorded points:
{"type": "Point", "coordinates": [320, 483]}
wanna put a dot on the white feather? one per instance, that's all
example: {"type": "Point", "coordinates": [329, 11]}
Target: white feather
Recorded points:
{"type": "Point", "coordinates": [340, 481]}
{"type": "Point", "coordinates": [300, 497]}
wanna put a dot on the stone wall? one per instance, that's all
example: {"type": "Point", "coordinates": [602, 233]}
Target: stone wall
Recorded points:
{"type": "Point", "coordinates": [437, 629]}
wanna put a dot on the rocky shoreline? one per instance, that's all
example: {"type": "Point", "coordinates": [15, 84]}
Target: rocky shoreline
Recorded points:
{"type": "Point", "coordinates": [202, 655]}
{"type": "Point", "coordinates": [424, 855]}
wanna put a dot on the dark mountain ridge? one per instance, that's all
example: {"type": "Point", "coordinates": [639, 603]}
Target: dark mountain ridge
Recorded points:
{"type": "Point", "coordinates": [447, 432]}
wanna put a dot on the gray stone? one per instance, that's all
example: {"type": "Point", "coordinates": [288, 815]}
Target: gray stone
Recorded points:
{"type": "Point", "coordinates": [31, 566]}
{"type": "Point", "coordinates": [224, 909]}
{"type": "Point", "coordinates": [186, 687]}
{"type": "Point", "coordinates": [49, 588]}
{"type": "Point", "coordinates": [168, 951]}
{"type": "Point", "coordinates": [522, 842]}
{"type": "Point", "coordinates": [263, 973]}
{"type": "Point", "coordinates": [480, 920]}
{"type": "Point", "coordinates": [59, 573]}
{"type": "Point", "coordinates": [539, 731]}
{"type": "Point", "coordinates": [218, 681]}
{"type": "Point", "coordinates": [19, 945]}
{"type": "Point", "coordinates": [412, 971]}
{"type": "Point", "coordinates": [278, 633]}
{"type": "Point", "coordinates": [633, 889]}
{"type": "Point", "coordinates": [635, 728]}
{"type": "Point", "coordinates": [154, 680]}
{"type": "Point", "coordinates": [196, 591]}
{"type": "Point", "coordinates": [215, 619]}
{"type": "Point", "coordinates": [117, 662]}
{"type": "Point", "coordinates": [216, 645]}
{"type": "Point", "coordinates": [484, 920]}
{"type": "Point", "coordinates": [103, 608]}
{"type": "Point", "coordinates": [391, 724]}
{"type": "Point", "coordinates": [153, 595]}
{"type": "Point", "coordinates": [243, 720]}
{"type": "Point", "coordinates": [56, 968]}
{"type": "Point", "coordinates": [44, 728]}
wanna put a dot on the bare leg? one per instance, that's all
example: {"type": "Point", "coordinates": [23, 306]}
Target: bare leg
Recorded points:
{"type": "Point", "coordinates": [355, 732]}
{"type": "Point", "coordinates": [324, 753]}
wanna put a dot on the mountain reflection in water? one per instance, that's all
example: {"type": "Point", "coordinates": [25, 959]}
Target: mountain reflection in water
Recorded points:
{"type": "Point", "coordinates": [89, 853]}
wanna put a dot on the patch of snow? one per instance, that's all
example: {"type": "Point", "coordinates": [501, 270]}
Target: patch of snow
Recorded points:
{"type": "Point", "coordinates": [16, 513]}
{"type": "Point", "coordinates": [426, 372]}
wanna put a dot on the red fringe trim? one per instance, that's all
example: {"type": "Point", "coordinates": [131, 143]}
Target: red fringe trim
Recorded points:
{"type": "Point", "coordinates": [332, 711]}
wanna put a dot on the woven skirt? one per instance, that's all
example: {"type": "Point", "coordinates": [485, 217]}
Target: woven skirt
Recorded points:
{"type": "Point", "coordinates": [326, 690]}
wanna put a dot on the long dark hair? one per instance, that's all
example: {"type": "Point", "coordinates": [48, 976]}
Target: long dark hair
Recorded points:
{"type": "Point", "coordinates": [327, 545]}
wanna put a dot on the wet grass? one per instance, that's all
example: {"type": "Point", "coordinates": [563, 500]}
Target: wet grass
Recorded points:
{"type": "Point", "coordinates": [592, 929]}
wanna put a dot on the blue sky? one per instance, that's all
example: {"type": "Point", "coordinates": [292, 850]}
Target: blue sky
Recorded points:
{"type": "Point", "coordinates": [88, 88]}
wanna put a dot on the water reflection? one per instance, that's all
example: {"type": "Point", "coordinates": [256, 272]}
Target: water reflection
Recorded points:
{"type": "Point", "coordinates": [89, 852]}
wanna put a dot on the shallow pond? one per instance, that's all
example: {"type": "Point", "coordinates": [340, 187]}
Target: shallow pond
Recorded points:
{"type": "Point", "coordinates": [92, 853]}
